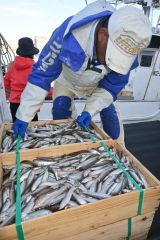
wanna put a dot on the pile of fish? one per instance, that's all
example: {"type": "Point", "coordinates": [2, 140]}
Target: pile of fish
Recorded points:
{"type": "Point", "coordinates": [50, 184]}
{"type": "Point", "coordinates": [48, 135]}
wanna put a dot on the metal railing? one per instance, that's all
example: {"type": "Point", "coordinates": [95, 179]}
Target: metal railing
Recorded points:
{"type": "Point", "coordinates": [6, 53]}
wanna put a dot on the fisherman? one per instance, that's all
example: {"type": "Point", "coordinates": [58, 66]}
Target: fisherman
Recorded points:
{"type": "Point", "coordinates": [91, 54]}
{"type": "Point", "coordinates": [16, 77]}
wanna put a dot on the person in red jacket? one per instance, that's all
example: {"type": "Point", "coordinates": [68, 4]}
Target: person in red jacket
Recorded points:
{"type": "Point", "coordinates": [16, 77]}
{"type": "Point", "coordinates": [50, 93]}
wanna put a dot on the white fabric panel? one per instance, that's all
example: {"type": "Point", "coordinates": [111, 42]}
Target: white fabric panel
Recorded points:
{"type": "Point", "coordinates": [83, 82]}
{"type": "Point", "coordinates": [99, 100]}
{"type": "Point", "coordinates": [31, 101]}
{"type": "Point", "coordinates": [91, 9]}
{"type": "Point", "coordinates": [88, 31]}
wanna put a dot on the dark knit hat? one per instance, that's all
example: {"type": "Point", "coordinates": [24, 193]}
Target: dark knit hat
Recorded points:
{"type": "Point", "coordinates": [26, 47]}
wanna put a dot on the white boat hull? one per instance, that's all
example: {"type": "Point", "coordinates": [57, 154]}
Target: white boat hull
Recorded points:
{"type": "Point", "coordinates": [131, 111]}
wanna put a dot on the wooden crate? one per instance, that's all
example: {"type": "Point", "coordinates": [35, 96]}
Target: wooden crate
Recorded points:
{"type": "Point", "coordinates": [8, 126]}
{"type": "Point", "coordinates": [103, 219]}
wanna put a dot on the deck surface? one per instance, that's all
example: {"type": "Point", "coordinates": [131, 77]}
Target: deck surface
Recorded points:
{"type": "Point", "coordinates": [143, 141]}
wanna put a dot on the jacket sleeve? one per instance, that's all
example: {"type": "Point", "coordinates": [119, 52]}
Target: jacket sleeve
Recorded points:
{"type": "Point", "coordinates": [107, 91]}
{"type": "Point", "coordinates": [44, 71]}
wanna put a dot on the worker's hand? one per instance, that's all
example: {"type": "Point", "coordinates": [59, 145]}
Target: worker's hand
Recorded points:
{"type": "Point", "coordinates": [19, 127]}
{"type": "Point", "coordinates": [84, 120]}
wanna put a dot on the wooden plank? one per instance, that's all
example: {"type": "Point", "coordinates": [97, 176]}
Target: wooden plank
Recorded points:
{"type": "Point", "coordinates": [41, 123]}
{"type": "Point", "coordinates": [140, 228]}
{"type": "Point", "coordinates": [81, 219]}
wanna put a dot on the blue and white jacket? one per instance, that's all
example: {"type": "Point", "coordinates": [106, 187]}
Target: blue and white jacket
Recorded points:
{"type": "Point", "coordinates": [63, 49]}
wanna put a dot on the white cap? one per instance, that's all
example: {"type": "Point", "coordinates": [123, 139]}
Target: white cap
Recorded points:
{"type": "Point", "coordinates": [129, 33]}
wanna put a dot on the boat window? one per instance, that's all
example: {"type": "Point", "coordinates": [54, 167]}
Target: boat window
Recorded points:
{"type": "Point", "coordinates": [146, 58]}
{"type": "Point", "coordinates": [155, 42]}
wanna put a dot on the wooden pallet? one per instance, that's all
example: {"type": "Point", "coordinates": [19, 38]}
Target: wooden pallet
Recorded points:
{"type": "Point", "coordinates": [103, 219]}
{"type": "Point", "coordinates": [8, 126]}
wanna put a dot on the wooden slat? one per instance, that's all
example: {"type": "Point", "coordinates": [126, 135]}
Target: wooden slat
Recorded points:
{"type": "Point", "coordinates": [118, 230]}
{"type": "Point", "coordinates": [81, 219]}
{"type": "Point", "coordinates": [41, 123]}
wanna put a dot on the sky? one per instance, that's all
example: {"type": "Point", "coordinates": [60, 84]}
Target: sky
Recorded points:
{"type": "Point", "coordinates": [30, 18]}
{"type": "Point", "coordinates": [20, 18]}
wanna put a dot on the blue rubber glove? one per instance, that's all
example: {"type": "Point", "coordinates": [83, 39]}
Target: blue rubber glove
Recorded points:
{"type": "Point", "coordinates": [19, 127]}
{"type": "Point", "coordinates": [84, 120]}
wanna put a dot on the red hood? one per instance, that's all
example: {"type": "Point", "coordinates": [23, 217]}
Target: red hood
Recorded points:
{"type": "Point", "coordinates": [23, 63]}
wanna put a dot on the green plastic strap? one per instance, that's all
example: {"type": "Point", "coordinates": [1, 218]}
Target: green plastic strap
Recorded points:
{"type": "Point", "coordinates": [91, 136]}
{"type": "Point", "coordinates": [129, 229]}
{"type": "Point", "coordinates": [19, 228]}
